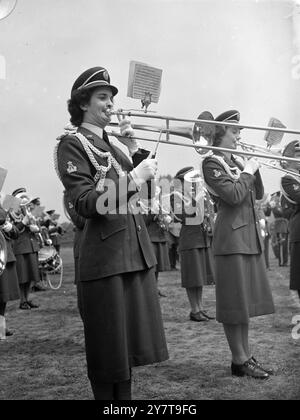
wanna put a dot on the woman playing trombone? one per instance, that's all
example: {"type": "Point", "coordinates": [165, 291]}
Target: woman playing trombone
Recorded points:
{"type": "Point", "coordinates": [290, 187]}
{"type": "Point", "coordinates": [242, 289]}
{"type": "Point", "coordinates": [117, 286]}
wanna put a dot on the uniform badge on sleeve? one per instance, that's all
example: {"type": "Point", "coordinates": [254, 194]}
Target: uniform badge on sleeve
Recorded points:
{"type": "Point", "coordinates": [71, 167]}
{"type": "Point", "coordinates": [217, 173]}
{"type": "Point", "coordinates": [70, 205]}
{"type": "Point", "coordinates": [296, 187]}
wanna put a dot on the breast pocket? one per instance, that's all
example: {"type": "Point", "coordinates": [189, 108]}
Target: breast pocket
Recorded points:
{"type": "Point", "coordinates": [238, 223]}
{"type": "Point", "coordinates": [111, 225]}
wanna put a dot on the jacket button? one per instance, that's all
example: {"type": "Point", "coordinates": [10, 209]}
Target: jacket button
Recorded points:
{"type": "Point", "coordinates": [139, 228]}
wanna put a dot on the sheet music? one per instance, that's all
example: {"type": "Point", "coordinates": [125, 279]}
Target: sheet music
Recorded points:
{"type": "Point", "coordinates": [274, 137]}
{"type": "Point", "coordinates": [144, 79]}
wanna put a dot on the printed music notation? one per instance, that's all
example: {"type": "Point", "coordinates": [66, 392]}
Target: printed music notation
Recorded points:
{"type": "Point", "coordinates": [273, 138]}
{"type": "Point", "coordinates": [144, 79]}
{"type": "Point", "coordinates": [10, 202]}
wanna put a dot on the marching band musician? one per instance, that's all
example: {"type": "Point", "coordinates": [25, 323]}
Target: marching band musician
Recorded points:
{"type": "Point", "coordinates": [196, 259]}
{"type": "Point", "coordinates": [263, 208]}
{"type": "Point", "coordinates": [290, 187]}
{"type": "Point", "coordinates": [55, 231]}
{"type": "Point", "coordinates": [242, 288]}
{"type": "Point", "coordinates": [280, 230]}
{"type": "Point", "coordinates": [117, 286]}
{"type": "Point", "coordinates": [43, 239]}
{"type": "Point", "coordinates": [26, 248]}
{"type": "Point", "coordinates": [9, 285]}
{"type": "Point", "coordinates": [40, 216]}
{"type": "Point", "coordinates": [157, 225]}
{"type": "Point", "coordinates": [173, 234]}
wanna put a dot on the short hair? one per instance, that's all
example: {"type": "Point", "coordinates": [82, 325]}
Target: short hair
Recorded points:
{"type": "Point", "coordinates": [79, 98]}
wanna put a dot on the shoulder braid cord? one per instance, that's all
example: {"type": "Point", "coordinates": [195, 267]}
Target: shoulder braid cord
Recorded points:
{"type": "Point", "coordinates": [101, 170]}
{"type": "Point", "coordinates": [227, 169]}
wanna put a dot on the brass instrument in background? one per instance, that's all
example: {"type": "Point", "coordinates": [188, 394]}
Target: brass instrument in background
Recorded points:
{"type": "Point", "coordinates": [26, 210]}
{"type": "Point", "coordinates": [161, 215]}
{"type": "Point", "coordinates": [163, 219]}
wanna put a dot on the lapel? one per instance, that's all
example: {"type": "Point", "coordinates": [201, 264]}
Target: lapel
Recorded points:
{"type": "Point", "coordinates": [95, 140]}
{"type": "Point", "coordinates": [105, 146]}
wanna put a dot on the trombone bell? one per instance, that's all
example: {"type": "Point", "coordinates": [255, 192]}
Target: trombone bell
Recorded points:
{"type": "Point", "coordinates": [203, 134]}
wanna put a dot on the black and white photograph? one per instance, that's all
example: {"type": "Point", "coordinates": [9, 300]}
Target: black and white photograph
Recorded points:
{"type": "Point", "coordinates": [149, 202]}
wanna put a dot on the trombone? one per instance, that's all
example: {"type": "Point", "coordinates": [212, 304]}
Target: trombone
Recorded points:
{"type": "Point", "coordinates": [200, 121]}
{"type": "Point", "coordinates": [203, 128]}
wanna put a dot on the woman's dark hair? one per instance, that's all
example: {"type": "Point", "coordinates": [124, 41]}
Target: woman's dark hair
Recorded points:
{"type": "Point", "coordinates": [78, 99]}
{"type": "Point", "coordinates": [220, 132]}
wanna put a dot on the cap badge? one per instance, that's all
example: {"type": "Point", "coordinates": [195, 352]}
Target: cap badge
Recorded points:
{"type": "Point", "coordinates": [296, 187]}
{"type": "Point", "coordinates": [105, 75]}
{"type": "Point", "coordinates": [71, 167]}
{"type": "Point", "coordinates": [217, 173]}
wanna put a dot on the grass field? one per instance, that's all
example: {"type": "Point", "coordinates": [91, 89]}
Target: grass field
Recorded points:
{"type": "Point", "coordinates": [45, 358]}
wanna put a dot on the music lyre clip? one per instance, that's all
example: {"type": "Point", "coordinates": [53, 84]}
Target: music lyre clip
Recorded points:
{"type": "Point", "coordinates": [153, 154]}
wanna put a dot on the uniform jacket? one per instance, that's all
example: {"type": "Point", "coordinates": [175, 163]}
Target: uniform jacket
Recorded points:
{"type": "Point", "coordinates": [236, 230]}
{"type": "Point", "coordinates": [111, 243]}
{"type": "Point", "coordinates": [292, 189]}
{"type": "Point", "coordinates": [9, 237]}
{"type": "Point", "coordinates": [156, 233]}
{"type": "Point", "coordinates": [55, 231]}
{"type": "Point", "coordinates": [193, 236]}
{"type": "Point", "coordinates": [26, 243]}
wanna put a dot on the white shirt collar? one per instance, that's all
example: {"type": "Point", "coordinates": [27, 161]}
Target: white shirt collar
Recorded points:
{"type": "Point", "coordinates": [93, 128]}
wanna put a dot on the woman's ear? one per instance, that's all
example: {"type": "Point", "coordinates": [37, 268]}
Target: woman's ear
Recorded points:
{"type": "Point", "coordinates": [83, 107]}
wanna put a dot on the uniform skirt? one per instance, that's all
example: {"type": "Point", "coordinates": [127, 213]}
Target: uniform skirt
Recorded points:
{"type": "Point", "coordinates": [122, 324]}
{"type": "Point", "coordinates": [242, 288]}
{"type": "Point", "coordinates": [28, 268]}
{"type": "Point", "coordinates": [295, 266]}
{"type": "Point", "coordinates": [9, 285]}
{"type": "Point", "coordinates": [161, 250]}
{"type": "Point", "coordinates": [197, 267]}
{"type": "Point", "coordinates": [76, 270]}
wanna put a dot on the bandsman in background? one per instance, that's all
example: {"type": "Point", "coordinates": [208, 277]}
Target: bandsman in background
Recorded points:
{"type": "Point", "coordinates": [54, 229]}
{"type": "Point", "coordinates": [280, 230]}
{"type": "Point", "coordinates": [196, 259]}
{"type": "Point", "coordinates": [9, 285]}
{"type": "Point", "coordinates": [157, 222]}
{"type": "Point", "coordinates": [263, 209]}
{"type": "Point", "coordinates": [26, 248]}
{"type": "Point", "coordinates": [173, 234]}
{"type": "Point", "coordinates": [242, 288]}
{"type": "Point", "coordinates": [290, 187]}
{"type": "Point", "coordinates": [43, 239]}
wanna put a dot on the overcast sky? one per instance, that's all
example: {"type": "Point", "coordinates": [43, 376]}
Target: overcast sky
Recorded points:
{"type": "Point", "coordinates": [215, 55]}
